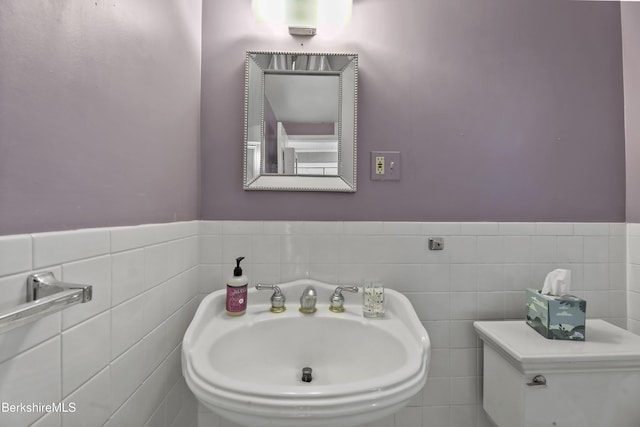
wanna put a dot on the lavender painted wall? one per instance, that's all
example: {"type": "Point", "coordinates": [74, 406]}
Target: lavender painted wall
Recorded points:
{"type": "Point", "coordinates": [503, 110]}
{"type": "Point", "coordinates": [631, 60]}
{"type": "Point", "coordinates": [99, 113]}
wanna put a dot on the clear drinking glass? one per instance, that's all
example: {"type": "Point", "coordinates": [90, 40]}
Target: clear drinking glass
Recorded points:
{"type": "Point", "coordinates": [373, 299]}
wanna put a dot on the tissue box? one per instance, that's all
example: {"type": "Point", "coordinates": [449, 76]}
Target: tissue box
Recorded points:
{"type": "Point", "coordinates": [557, 318]}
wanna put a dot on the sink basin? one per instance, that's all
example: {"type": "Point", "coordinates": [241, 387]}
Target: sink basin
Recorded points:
{"type": "Point", "coordinates": [248, 369]}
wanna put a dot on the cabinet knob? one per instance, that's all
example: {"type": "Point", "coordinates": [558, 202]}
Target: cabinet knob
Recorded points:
{"type": "Point", "coordinates": [538, 380]}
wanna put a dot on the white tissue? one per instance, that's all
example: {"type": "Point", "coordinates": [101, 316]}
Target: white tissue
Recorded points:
{"type": "Point", "coordinates": [557, 283]}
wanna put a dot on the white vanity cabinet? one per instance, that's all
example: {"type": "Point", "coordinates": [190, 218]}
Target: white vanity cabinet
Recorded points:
{"type": "Point", "coordinates": [530, 381]}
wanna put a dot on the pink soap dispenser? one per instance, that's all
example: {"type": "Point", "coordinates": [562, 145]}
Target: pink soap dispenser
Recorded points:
{"type": "Point", "coordinates": [237, 291]}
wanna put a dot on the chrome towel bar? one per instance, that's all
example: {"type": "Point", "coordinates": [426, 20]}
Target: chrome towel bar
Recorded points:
{"type": "Point", "coordinates": [45, 295]}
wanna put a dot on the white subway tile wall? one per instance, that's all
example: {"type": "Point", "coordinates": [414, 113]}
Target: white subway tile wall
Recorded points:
{"type": "Point", "coordinates": [633, 276]}
{"type": "Point", "coordinates": [118, 357]}
{"type": "Point", "coordinates": [481, 274]}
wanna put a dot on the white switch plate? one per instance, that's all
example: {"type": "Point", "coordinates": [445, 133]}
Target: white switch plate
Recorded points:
{"type": "Point", "coordinates": [385, 166]}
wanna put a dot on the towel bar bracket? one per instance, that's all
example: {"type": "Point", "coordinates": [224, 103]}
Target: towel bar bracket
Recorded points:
{"type": "Point", "coordinates": [41, 285]}
{"type": "Point", "coordinates": [45, 295]}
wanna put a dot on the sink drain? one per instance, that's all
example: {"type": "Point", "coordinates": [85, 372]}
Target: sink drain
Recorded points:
{"type": "Point", "coordinates": [306, 374]}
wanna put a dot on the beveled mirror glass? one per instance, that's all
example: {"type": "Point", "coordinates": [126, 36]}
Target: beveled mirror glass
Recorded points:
{"type": "Point", "coordinates": [300, 121]}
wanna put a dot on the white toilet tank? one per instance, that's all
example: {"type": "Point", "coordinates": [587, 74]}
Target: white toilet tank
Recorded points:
{"type": "Point", "coordinates": [530, 381]}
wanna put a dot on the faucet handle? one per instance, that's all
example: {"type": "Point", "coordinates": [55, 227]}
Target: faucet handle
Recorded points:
{"type": "Point", "coordinates": [336, 302]}
{"type": "Point", "coordinates": [277, 299]}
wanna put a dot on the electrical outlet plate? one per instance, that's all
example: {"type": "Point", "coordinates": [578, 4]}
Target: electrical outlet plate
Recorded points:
{"type": "Point", "coordinates": [379, 165]}
{"type": "Point", "coordinates": [385, 166]}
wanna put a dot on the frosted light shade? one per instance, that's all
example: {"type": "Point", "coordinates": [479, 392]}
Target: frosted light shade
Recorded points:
{"type": "Point", "coordinates": [303, 13]}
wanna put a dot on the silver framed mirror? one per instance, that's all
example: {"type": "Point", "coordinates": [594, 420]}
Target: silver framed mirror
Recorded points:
{"type": "Point", "coordinates": [300, 123]}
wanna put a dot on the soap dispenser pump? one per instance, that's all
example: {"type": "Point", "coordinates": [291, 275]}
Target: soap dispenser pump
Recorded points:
{"type": "Point", "coordinates": [237, 291]}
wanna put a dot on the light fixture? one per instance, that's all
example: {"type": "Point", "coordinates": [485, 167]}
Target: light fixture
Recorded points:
{"type": "Point", "coordinates": [303, 16]}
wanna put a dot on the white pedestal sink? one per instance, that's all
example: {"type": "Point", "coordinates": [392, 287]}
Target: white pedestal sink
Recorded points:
{"type": "Point", "coordinates": [248, 369]}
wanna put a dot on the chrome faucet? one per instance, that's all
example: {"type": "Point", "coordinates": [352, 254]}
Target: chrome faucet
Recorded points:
{"type": "Point", "coordinates": [308, 300]}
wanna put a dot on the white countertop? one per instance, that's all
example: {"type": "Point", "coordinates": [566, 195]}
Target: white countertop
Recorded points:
{"type": "Point", "coordinates": [607, 347]}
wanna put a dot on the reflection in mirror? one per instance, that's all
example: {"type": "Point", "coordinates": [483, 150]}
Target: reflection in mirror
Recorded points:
{"type": "Point", "coordinates": [300, 122]}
